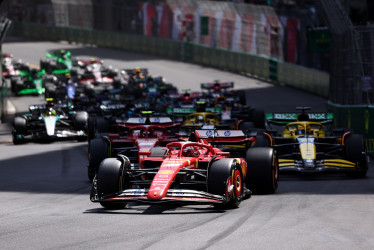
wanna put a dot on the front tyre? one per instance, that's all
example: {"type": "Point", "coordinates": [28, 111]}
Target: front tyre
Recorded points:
{"type": "Point", "coordinates": [263, 170]}
{"type": "Point", "coordinates": [110, 179]}
{"type": "Point", "coordinates": [225, 178]}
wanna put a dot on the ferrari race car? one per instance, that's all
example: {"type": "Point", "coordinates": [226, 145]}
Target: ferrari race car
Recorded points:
{"type": "Point", "coordinates": [50, 122]}
{"type": "Point", "coordinates": [218, 89]}
{"type": "Point", "coordinates": [138, 134]}
{"type": "Point", "coordinates": [308, 144]}
{"type": "Point", "coordinates": [186, 172]}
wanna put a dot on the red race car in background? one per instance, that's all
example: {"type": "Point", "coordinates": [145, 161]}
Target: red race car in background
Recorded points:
{"type": "Point", "coordinates": [139, 134]}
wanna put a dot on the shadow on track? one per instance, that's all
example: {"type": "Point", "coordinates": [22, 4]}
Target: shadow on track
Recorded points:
{"type": "Point", "coordinates": [167, 209]}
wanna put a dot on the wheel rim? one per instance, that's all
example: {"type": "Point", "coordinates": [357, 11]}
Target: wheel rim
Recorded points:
{"type": "Point", "coordinates": [275, 171]}
{"type": "Point", "coordinates": [228, 185]}
{"type": "Point", "coordinates": [237, 183]}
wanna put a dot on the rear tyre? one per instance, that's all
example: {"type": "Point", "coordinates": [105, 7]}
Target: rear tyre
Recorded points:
{"type": "Point", "coordinates": [91, 128]}
{"type": "Point", "coordinates": [263, 170]}
{"type": "Point", "coordinates": [246, 126]}
{"type": "Point", "coordinates": [102, 125]}
{"type": "Point", "coordinates": [258, 118]}
{"type": "Point", "coordinates": [97, 152]}
{"type": "Point", "coordinates": [159, 151]}
{"type": "Point", "coordinates": [261, 140]}
{"type": "Point", "coordinates": [20, 124]}
{"type": "Point", "coordinates": [225, 178]}
{"type": "Point", "coordinates": [354, 151]}
{"type": "Point", "coordinates": [80, 120]}
{"type": "Point", "coordinates": [110, 180]}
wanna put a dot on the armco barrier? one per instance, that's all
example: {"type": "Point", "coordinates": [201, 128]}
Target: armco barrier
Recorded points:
{"type": "Point", "coordinates": [358, 117]}
{"type": "Point", "coordinates": [265, 68]}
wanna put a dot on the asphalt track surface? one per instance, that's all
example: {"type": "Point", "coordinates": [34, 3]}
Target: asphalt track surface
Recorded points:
{"type": "Point", "coordinates": [44, 190]}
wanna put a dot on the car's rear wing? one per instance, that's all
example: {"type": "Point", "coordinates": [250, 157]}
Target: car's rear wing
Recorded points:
{"type": "Point", "coordinates": [132, 71]}
{"type": "Point", "coordinates": [189, 110]}
{"type": "Point", "coordinates": [284, 118]}
{"type": "Point", "coordinates": [217, 85]}
{"type": "Point", "coordinates": [149, 120]}
{"type": "Point", "coordinates": [222, 136]}
{"type": "Point", "coordinates": [110, 107]}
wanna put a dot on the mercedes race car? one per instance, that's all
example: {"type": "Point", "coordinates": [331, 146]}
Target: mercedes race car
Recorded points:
{"type": "Point", "coordinates": [185, 172]}
{"type": "Point", "coordinates": [308, 144]}
{"type": "Point", "coordinates": [50, 122]}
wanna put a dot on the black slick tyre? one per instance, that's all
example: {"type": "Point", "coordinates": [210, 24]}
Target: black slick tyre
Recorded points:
{"type": "Point", "coordinates": [102, 125]}
{"type": "Point", "coordinates": [262, 140]}
{"type": "Point", "coordinates": [225, 178]}
{"type": "Point", "coordinates": [258, 118]}
{"type": "Point", "coordinates": [97, 152]}
{"type": "Point", "coordinates": [354, 151]}
{"type": "Point", "coordinates": [110, 181]}
{"type": "Point", "coordinates": [262, 170]}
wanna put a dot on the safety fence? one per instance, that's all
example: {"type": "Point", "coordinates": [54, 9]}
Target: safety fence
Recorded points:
{"type": "Point", "coordinates": [262, 67]}
{"type": "Point", "coordinates": [258, 28]}
{"type": "Point", "coordinates": [4, 26]}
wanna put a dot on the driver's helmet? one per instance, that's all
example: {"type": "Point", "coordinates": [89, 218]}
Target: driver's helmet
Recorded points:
{"type": "Point", "coordinates": [200, 118]}
{"type": "Point", "coordinates": [7, 61]}
{"type": "Point", "coordinates": [50, 112]}
{"type": "Point", "coordinates": [189, 152]}
{"type": "Point", "coordinates": [138, 73]}
{"type": "Point", "coordinates": [300, 130]}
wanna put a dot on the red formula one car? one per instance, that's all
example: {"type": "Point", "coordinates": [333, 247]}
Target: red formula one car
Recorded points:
{"type": "Point", "coordinates": [139, 134]}
{"type": "Point", "coordinates": [186, 172]}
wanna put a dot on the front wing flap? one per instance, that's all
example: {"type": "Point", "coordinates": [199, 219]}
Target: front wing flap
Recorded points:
{"type": "Point", "coordinates": [173, 195]}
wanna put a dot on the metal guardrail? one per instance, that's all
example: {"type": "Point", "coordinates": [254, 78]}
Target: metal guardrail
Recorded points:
{"type": "Point", "coordinates": [4, 26]}
{"type": "Point", "coordinates": [262, 67]}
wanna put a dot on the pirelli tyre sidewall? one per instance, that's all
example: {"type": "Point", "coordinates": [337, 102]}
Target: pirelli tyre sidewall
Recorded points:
{"type": "Point", "coordinates": [262, 170]}
{"type": "Point", "coordinates": [222, 174]}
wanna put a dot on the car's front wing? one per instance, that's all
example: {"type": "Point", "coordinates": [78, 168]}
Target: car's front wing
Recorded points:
{"type": "Point", "coordinates": [185, 196]}
{"type": "Point", "coordinates": [326, 165]}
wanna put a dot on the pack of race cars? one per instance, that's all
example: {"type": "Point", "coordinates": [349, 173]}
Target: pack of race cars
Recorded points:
{"type": "Point", "coordinates": [147, 142]}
